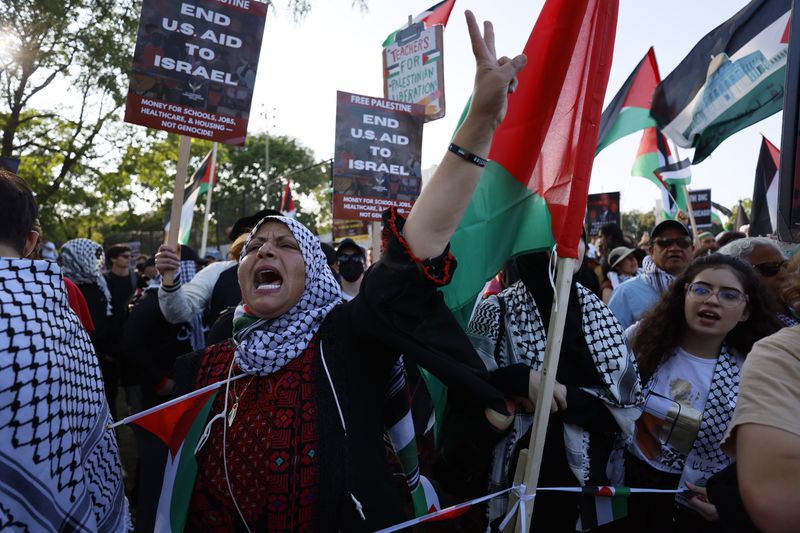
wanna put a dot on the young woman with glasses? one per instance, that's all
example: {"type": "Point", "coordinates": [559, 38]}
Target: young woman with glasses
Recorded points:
{"type": "Point", "coordinates": [690, 348]}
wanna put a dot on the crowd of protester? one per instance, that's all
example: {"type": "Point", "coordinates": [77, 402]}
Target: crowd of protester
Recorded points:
{"type": "Point", "coordinates": [680, 361]}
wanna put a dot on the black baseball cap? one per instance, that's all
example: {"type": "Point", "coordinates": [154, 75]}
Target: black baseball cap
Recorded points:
{"type": "Point", "coordinates": [667, 224]}
{"type": "Point", "coordinates": [349, 243]}
{"type": "Point", "coordinates": [245, 224]}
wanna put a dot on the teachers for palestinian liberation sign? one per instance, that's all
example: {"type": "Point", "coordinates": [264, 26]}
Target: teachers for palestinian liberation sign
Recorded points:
{"type": "Point", "coordinates": [413, 69]}
{"type": "Point", "coordinates": [194, 67]}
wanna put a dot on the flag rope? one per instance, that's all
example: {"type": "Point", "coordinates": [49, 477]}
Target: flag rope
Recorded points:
{"type": "Point", "coordinates": [172, 402]}
{"type": "Point", "coordinates": [519, 489]}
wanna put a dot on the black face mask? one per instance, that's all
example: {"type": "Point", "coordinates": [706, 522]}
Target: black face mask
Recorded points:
{"type": "Point", "coordinates": [351, 267]}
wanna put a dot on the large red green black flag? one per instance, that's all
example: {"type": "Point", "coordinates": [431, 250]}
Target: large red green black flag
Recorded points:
{"type": "Point", "coordinates": [629, 111]}
{"type": "Point", "coordinates": [731, 79]}
{"type": "Point", "coordinates": [533, 192]}
{"type": "Point", "coordinates": [788, 212]}
{"type": "Point", "coordinates": [764, 212]}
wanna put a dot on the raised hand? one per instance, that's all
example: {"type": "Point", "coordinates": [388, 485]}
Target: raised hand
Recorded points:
{"type": "Point", "coordinates": [167, 261]}
{"type": "Point", "coordinates": [494, 78]}
{"type": "Point", "coordinates": [441, 205]}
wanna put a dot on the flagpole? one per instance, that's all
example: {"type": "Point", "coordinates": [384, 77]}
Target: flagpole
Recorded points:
{"type": "Point", "coordinates": [177, 200]}
{"type": "Point", "coordinates": [555, 334]}
{"type": "Point", "coordinates": [686, 194]}
{"type": "Point", "coordinates": [179, 399]}
{"type": "Point", "coordinates": [211, 180]}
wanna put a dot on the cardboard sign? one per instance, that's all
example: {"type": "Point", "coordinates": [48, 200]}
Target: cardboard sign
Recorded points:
{"type": "Point", "coordinates": [194, 67]}
{"type": "Point", "coordinates": [701, 206]}
{"type": "Point", "coordinates": [377, 158]}
{"type": "Point", "coordinates": [413, 69]}
{"type": "Point", "coordinates": [358, 230]}
{"type": "Point", "coordinates": [602, 209]}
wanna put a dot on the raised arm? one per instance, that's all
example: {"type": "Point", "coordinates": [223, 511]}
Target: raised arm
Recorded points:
{"type": "Point", "coordinates": [439, 209]}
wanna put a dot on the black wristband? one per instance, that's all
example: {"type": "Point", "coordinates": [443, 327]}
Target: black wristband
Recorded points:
{"type": "Point", "coordinates": [468, 156]}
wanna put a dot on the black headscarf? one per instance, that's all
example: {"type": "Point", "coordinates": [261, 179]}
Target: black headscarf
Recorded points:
{"type": "Point", "coordinates": [534, 271]}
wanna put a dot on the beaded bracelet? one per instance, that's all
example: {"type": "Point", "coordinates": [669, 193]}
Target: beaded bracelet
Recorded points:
{"type": "Point", "coordinates": [467, 156]}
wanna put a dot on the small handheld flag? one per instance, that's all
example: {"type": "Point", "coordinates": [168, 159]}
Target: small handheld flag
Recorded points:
{"type": "Point", "coordinates": [436, 14]}
{"type": "Point", "coordinates": [287, 202]}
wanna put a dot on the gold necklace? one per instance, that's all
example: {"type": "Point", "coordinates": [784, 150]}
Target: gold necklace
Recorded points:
{"type": "Point", "coordinates": [236, 398]}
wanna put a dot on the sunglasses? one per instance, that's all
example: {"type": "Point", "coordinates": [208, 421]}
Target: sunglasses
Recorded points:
{"type": "Point", "coordinates": [356, 258]}
{"type": "Point", "coordinates": [726, 297]}
{"type": "Point", "coordinates": [681, 242]}
{"type": "Point", "coordinates": [770, 269]}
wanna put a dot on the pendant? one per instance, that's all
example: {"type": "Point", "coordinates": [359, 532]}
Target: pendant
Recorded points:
{"type": "Point", "coordinates": [232, 413]}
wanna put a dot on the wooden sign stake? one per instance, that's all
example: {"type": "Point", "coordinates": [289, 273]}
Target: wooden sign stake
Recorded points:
{"type": "Point", "coordinates": [177, 199]}
{"type": "Point", "coordinates": [552, 352]}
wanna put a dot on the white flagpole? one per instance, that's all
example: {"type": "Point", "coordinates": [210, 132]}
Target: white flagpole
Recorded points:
{"type": "Point", "coordinates": [555, 334]}
{"type": "Point", "coordinates": [211, 182]}
{"type": "Point", "coordinates": [172, 402]}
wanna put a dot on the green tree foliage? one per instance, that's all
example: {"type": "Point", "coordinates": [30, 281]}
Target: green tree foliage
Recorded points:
{"type": "Point", "coordinates": [62, 80]}
{"type": "Point", "coordinates": [242, 187]}
{"type": "Point", "coordinates": [637, 222]}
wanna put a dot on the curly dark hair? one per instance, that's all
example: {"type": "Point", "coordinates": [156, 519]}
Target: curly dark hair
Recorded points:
{"type": "Point", "coordinates": [662, 328]}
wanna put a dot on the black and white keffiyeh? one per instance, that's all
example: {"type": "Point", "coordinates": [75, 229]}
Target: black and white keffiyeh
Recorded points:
{"type": "Point", "coordinates": [524, 341]}
{"type": "Point", "coordinates": [59, 466]}
{"type": "Point", "coordinates": [82, 261]}
{"type": "Point", "coordinates": [264, 346]}
{"type": "Point", "coordinates": [706, 458]}
{"type": "Point", "coordinates": [657, 278]}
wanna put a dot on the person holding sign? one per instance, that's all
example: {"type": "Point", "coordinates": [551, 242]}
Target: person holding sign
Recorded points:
{"type": "Point", "coordinates": [296, 442]}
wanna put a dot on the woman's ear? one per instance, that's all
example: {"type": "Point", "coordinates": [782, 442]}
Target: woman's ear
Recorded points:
{"type": "Point", "coordinates": [745, 315]}
{"type": "Point", "coordinates": [31, 240]}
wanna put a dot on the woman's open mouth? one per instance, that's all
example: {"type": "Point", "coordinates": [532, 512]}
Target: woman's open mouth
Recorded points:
{"type": "Point", "coordinates": [268, 279]}
{"type": "Point", "coordinates": [708, 317]}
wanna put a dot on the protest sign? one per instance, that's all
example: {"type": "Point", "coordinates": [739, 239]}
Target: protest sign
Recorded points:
{"type": "Point", "coordinates": [701, 206]}
{"type": "Point", "coordinates": [413, 69]}
{"type": "Point", "coordinates": [194, 67]}
{"type": "Point", "coordinates": [358, 230]}
{"type": "Point", "coordinates": [602, 209]}
{"type": "Point", "coordinates": [377, 157]}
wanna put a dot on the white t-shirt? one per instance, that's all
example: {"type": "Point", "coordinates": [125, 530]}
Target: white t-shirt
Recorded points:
{"type": "Point", "coordinates": [674, 401]}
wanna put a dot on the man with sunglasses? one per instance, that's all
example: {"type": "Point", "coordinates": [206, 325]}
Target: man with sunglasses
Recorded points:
{"type": "Point", "coordinates": [352, 260]}
{"type": "Point", "coordinates": [769, 263]}
{"type": "Point", "coordinates": [670, 254]}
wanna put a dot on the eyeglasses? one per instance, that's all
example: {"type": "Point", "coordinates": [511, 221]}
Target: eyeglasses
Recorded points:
{"type": "Point", "coordinates": [681, 242]}
{"type": "Point", "coordinates": [726, 297]}
{"type": "Point", "coordinates": [124, 256]}
{"type": "Point", "coordinates": [356, 258]}
{"type": "Point", "coordinates": [770, 269]}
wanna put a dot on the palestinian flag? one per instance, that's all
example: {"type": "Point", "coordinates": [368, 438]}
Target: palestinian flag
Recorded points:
{"type": "Point", "coordinates": [629, 111]}
{"type": "Point", "coordinates": [732, 78]}
{"type": "Point", "coordinates": [436, 14]}
{"type": "Point", "coordinates": [602, 505]}
{"type": "Point", "coordinates": [533, 192]}
{"type": "Point", "coordinates": [174, 429]}
{"type": "Point", "coordinates": [717, 212]}
{"type": "Point", "coordinates": [654, 154]}
{"type": "Point", "coordinates": [287, 202]}
{"type": "Point", "coordinates": [741, 217]}
{"type": "Point", "coordinates": [678, 173]}
{"type": "Point", "coordinates": [525, 201]}
{"type": "Point", "coordinates": [764, 211]}
{"type": "Point", "coordinates": [198, 185]}
{"type": "Point", "coordinates": [393, 70]}
{"type": "Point", "coordinates": [430, 56]}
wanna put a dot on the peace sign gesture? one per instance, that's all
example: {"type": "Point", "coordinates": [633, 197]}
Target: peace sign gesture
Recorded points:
{"type": "Point", "coordinates": [494, 78]}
